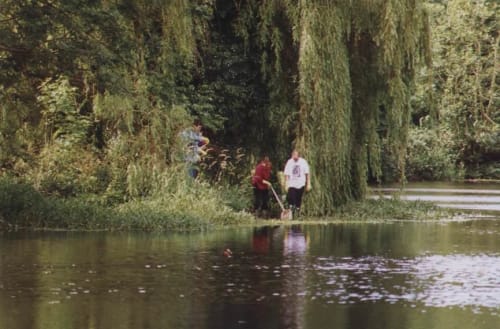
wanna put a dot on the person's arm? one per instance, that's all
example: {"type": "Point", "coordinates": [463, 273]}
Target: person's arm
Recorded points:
{"type": "Point", "coordinates": [286, 172]}
{"type": "Point", "coordinates": [308, 177]}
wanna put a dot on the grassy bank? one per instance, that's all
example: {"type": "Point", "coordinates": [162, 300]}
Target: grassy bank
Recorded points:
{"type": "Point", "coordinates": [392, 209]}
{"type": "Point", "coordinates": [181, 206]}
{"type": "Point", "coordinates": [380, 210]}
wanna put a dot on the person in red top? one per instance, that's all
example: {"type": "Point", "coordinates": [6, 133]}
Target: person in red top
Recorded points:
{"type": "Point", "coordinates": [260, 182]}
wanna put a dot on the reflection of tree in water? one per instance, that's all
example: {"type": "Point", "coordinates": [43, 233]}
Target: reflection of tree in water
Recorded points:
{"type": "Point", "coordinates": [295, 245]}
{"type": "Point", "coordinates": [17, 280]}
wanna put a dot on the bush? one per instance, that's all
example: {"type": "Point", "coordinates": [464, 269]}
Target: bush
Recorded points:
{"type": "Point", "coordinates": [67, 171]}
{"type": "Point", "coordinates": [430, 155]}
{"type": "Point", "coordinates": [20, 203]}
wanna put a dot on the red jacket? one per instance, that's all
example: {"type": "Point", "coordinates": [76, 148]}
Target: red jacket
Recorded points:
{"type": "Point", "coordinates": [262, 172]}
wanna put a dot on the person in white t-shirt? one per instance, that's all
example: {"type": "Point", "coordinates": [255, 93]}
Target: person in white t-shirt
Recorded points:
{"type": "Point", "coordinates": [297, 179]}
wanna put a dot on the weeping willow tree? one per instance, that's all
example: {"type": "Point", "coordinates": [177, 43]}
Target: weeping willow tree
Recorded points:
{"type": "Point", "coordinates": [348, 66]}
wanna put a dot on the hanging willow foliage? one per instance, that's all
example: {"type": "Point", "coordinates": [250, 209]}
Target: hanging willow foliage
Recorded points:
{"type": "Point", "coordinates": [355, 64]}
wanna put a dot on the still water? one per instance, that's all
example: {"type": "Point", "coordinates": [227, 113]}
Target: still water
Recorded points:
{"type": "Point", "coordinates": [388, 275]}
{"type": "Point", "coordinates": [466, 196]}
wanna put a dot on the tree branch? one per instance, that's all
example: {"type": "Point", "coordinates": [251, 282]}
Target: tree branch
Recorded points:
{"type": "Point", "coordinates": [14, 50]}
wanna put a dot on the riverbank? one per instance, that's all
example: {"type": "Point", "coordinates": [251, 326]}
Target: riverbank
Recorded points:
{"type": "Point", "coordinates": [181, 207]}
{"type": "Point", "coordinates": [187, 208]}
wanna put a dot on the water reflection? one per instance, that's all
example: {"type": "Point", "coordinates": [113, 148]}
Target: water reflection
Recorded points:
{"type": "Point", "coordinates": [459, 280]}
{"type": "Point", "coordinates": [261, 239]}
{"type": "Point", "coordinates": [438, 281]}
{"type": "Point", "coordinates": [391, 276]}
{"type": "Point", "coordinates": [295, 243]}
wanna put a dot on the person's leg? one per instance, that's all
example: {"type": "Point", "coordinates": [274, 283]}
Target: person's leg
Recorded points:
{"type": "Point", "coordinates": [293, 201]}
{"type": "Point", "coordinates": [265, 199]}
{"type": "Point", "coordinates": [256, 200]}
{"type": "Point", "coordinates": [292, 197]}
{"type": "Point", "coordinates": [298, 202]}
{"type": "Point", "coordinates": [193, 171]}
{"type": "Point", "coordinates": [265, 203]}
{"type": "Point", "coordinates": [289, 197]}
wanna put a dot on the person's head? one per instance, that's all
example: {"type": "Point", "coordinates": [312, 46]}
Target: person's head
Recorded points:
{"type": "Point", "coordinates": [265, 159]}
{"type": "Point", "coordinates": [197, 125]}
{"type": "Point", "coordinates": [295, 155]}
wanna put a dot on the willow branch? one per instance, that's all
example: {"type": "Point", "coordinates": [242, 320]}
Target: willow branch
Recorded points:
{"type": "Point", "coordinates": [493, 75]}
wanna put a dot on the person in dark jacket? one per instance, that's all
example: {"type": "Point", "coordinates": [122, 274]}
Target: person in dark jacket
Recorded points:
{"type": "Point", "coordinates": [261, 184]}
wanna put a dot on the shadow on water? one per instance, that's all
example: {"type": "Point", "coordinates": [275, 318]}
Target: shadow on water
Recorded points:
{"type": "Point", "coordinates": [386, 275]}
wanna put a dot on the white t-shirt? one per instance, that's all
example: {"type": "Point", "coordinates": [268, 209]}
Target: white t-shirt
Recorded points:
{"type": "Point", "coordinates": [296, 172]}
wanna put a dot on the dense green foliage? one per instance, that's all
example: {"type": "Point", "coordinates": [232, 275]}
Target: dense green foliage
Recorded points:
{"type": "Point", "coordinates": [457, 100]}
{"type": "Point", "coordinates": [94, 95]}
{"type": "Point", "coordinates": [430, 156]}
{"type": "Point", "coordinates": [352, 64]}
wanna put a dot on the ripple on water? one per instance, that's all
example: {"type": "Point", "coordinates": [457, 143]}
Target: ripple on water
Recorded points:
{"type": "Point", "coordinates": [460, 280]}
{"type": "Point", "coordinates": [433, 281]}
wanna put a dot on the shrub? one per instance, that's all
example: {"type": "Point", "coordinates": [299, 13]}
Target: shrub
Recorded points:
{"type": "Point", "coordinates": [20, 203]}
{"type": "Point", "coordinates": [68, 171]}
{"type": "Point", "coordinates": [430, 155]}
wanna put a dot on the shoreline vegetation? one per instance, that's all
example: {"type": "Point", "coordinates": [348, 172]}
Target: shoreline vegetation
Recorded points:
{"type": "Point", "coordinates": [188, 207]}
{"type": "Point", "coordinates": [96, 98]}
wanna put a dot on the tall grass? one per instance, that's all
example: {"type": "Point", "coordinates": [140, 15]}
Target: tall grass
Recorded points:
{"type": "Point", "coordinates": [183, 203]}
{"type": "Point", "coordinates": [180, 204]}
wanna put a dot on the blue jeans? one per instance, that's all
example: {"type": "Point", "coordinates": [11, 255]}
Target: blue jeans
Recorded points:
{"type": "Point", "coordinates": [193, 171]}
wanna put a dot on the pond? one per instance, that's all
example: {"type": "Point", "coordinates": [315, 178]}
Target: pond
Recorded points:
{"type": "Point", "coordinates": [366, 275]}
